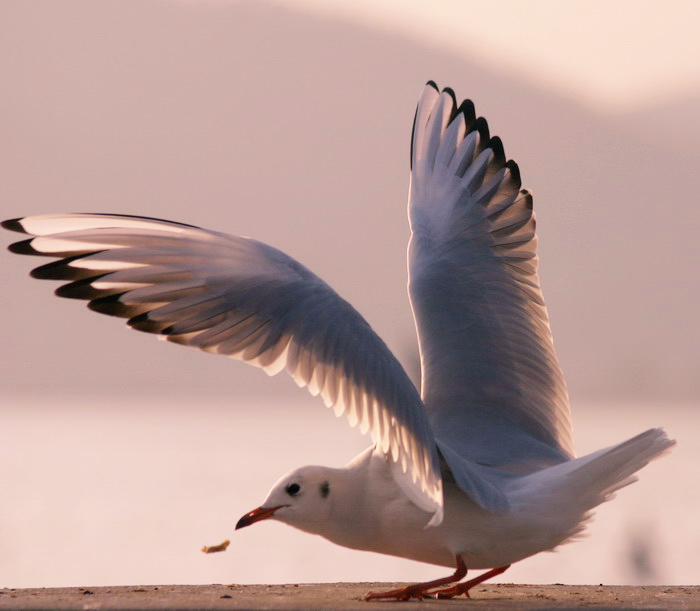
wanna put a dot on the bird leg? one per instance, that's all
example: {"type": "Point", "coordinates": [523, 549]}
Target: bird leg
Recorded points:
{"type": "Point", "coordinates": [420, 590]}
{"type": "Point", "coordinates": [463, 588]}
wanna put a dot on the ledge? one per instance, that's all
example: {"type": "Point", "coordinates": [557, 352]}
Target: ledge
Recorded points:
{"type": "Point", "coordinates": [345, 596]}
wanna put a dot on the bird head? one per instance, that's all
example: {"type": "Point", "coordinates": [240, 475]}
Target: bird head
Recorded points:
{"type": "Point", "coordinates": [302, 498]}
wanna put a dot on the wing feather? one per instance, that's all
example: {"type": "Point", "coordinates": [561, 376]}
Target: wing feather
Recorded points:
{"type": "Point", "coordinates": [490, 377]}
{"type": "Point", "coordinates": [237, 297]}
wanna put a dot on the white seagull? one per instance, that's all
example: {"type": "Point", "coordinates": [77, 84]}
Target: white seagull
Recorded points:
{"type": "Point", "coordinates": [478, 470]}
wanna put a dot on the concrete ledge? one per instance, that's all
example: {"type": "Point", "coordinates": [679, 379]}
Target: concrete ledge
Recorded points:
{"type": "Point", "coordinates": [346, 596]}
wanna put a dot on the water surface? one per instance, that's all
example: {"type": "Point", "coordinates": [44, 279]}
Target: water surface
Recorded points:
{"type": "Point", "coordinates": [126, 491]}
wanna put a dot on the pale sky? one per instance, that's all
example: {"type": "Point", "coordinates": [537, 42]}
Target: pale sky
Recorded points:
{"type": "Point", "coordinates": [612, 55]}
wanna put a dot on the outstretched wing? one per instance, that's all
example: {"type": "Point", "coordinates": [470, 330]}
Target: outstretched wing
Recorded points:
{"type": "Point", "coordinates": [238, 297]}
{"type": "Point", "coordinates": [491, 380]}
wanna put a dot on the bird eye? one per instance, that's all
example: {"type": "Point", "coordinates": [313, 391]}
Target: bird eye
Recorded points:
{"type": "Point", "coordinates": [293, 489]}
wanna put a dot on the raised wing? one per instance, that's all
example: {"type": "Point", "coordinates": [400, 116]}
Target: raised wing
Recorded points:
{"type": "Point", "coordinates": [491, 380]}
{"type": "Point", "coordinates": [237, 297]}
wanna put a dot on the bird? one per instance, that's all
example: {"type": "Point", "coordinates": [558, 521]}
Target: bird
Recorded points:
{"type": "Point", "coordinates": [473, 470]}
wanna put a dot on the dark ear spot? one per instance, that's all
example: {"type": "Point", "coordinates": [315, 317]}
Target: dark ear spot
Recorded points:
{"type": "Point", "coordinates": [325, 489]}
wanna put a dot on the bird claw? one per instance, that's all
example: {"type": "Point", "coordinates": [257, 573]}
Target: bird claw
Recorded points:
{"type": "Point", "coordinates": [463, 588]}
{"type": "Point", "coordinates": [431, 589]}
{"type": "Point", "coordinates": [407, 593]}
{"type": "Point", "coordinates": [400, 594]}
{"type": "Point", "coordinates": [449, 593]}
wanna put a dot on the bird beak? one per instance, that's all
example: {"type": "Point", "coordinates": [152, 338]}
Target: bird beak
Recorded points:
{"type": "Point", "coordinates": [261, 513]}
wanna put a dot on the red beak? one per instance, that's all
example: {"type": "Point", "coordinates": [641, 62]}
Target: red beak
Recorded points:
{"type": "Point", "coordinates": [261, 513]}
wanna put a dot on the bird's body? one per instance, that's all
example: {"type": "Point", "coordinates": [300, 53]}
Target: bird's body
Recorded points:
{"type": "Point", "coordinates": [365, 509]}
{"type": "Point", "coordinates": [477, 470]}
{"type": "Point", "coordinates": [389, 522]}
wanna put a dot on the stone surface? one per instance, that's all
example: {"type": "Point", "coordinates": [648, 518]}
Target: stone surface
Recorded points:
{"type": "Point", "coordinates": [346, 596]}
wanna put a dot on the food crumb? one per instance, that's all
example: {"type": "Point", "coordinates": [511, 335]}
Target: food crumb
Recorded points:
{"type": "Point", "coordinates": [212, 549]}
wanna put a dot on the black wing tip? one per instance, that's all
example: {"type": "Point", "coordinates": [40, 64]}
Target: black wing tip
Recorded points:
{"type": "Point", "coordinates": [80, 289]}
{"type": "Point", "coordinates": [142, 322]}
{"type": "Point", "coordinates": [514, 169]}
{"type": "Point", "coordinates": [169, 330]}
{"type": "Point", "coordinates": [481, 125]}
{"type": "Point", "coordinates": [14, 225]}
{"type": "Point", "coordinates": [140, 217]}
{"type": "Point", "coordinates": [62, 270]}
{"type": "Point", "coordinates": [467, 109]}
{"type": "Point", "coordinates": [449, 91]}
{"type": "Point", "coordinates": [23, 247]}
{"type": "Point", "coordinates": [138, 319]}
{"type": "Point", "coordinates": [110, 305]}
{"type": "Point", "coordinates": [496, 146]}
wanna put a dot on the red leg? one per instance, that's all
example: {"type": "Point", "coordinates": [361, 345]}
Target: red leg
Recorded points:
{"type": "Point", "coordinates": [419, 590]}
{"type": "Point", "coordinates": [463, 588]}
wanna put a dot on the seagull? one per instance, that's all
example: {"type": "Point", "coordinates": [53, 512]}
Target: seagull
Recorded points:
{"type": "Point", "coordinates": [477, 469]}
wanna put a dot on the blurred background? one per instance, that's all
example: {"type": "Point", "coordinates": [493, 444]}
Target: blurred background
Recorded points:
{"type": "Point", "coordinates": [289, 121]}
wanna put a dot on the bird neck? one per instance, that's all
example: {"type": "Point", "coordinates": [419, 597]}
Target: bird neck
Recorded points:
{"type": "Point", "coordinates": [361, 489]}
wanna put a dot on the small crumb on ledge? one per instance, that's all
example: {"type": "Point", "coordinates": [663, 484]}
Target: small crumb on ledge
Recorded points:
{"type": "Point", "coordinates": [212, 549]}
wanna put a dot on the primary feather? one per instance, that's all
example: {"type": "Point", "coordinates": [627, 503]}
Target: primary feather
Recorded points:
{"type": "Point", "coordinates": [491, 381]}
{"type": "Point", "coordinates": [235, 296]}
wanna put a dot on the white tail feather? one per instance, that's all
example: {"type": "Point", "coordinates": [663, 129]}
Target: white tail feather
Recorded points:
{"type": "Point", "coordinates": [569, 491]}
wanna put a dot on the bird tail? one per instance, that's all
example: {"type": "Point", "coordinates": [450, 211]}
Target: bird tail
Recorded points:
{"type": "Point", "coordinates": [572, 489]}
